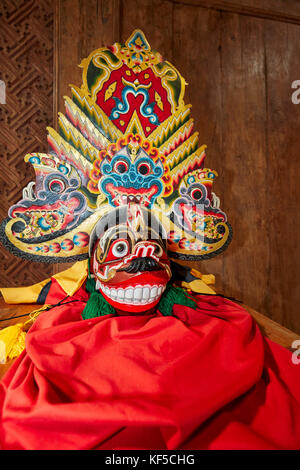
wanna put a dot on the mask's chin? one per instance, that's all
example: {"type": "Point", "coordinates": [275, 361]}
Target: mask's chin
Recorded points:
{"type": "Point", "coordinates": [140, 294]}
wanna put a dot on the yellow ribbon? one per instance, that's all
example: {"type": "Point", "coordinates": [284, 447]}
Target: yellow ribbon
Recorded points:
{"type": "Point", "coordinates": [200, 285]}
{"type": "Point", "coordinates": [12, 338]}
{"type": "Point", "coordinates": [70, 280]}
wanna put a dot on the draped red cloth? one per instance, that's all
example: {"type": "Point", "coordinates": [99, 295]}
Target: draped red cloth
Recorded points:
{"type": "Point", "coordinates": [200, 379]}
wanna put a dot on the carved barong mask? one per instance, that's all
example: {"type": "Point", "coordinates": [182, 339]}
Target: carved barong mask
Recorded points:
{"type": "Point", "coordinates": [128, 258]}
{"type": "Point", "coordinates": [125, 154]}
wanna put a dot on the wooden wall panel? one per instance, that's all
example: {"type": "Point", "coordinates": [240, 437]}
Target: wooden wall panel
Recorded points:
{"type": "Point", "coordinates": [282, 44]}
{"type": "Point", "coordinates": [201, 67]}
{"type": "Point", "coordinates": [279, 10]}
{"type": "Point", "coordinates": [80, 27]}
{"type": "Point", "coordinates": [26, 57]}
{"type": "Point", "coordinates": [243, 158]}
{"type": "Point", "coordinates": [154, 17]}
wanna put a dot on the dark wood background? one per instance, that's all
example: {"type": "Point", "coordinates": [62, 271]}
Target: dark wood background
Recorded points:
{"type": "Point", "coordinates": [26, 66]}
{"type": "Point", "coordinates": [240, 59]}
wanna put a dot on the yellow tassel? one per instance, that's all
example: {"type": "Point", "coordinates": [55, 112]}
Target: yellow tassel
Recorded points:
{"type": "Point", "coordinates": [12, 342]}
{"type": "Point", "coordinates": [197, 286]}
{"type": "Point", "coordinates": [200, 285]}
{"type": "Point", "coordinates": [12, 338]}
{"type": "Point", "coordinates": [207, 278]}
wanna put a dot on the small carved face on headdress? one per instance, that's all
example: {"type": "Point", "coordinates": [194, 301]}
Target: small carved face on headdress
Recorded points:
{"type": "Point", "coordinates": [131, 176]}
{"type": "Point", "coordinates": [128, 258]}
{"type": "Point", "coordinates": [196, 214]}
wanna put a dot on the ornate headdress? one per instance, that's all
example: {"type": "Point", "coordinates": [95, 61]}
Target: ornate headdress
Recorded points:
{"type": "Point", "coordinates": [126, 139]}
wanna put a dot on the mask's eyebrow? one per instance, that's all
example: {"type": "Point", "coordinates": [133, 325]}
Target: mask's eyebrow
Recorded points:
{"type": "Point", "coordinates": [106, 237]}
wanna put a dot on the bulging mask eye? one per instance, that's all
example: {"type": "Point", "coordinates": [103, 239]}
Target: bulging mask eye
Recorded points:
{"type": "Point", "coordinates": [56, 186]}
{"type": "Point", "coordinates": [144, 168]}
{"type": "Point", "coordinates": [120, 248]}
{"type": "Point", "coordinates": [121, 166]}
{"type": "Point", "coordinates": [196, 194]}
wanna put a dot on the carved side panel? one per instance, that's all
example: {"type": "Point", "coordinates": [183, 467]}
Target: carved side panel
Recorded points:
{"type": "Point", "coordinates": [26, 57]}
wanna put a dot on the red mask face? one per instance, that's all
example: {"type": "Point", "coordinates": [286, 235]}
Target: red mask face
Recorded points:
{"type": "Point", "coordinates": [129, 259]}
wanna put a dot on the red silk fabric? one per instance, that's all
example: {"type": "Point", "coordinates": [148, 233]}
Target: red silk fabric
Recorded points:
{"type": "Point", "coordinates": [201, 379]}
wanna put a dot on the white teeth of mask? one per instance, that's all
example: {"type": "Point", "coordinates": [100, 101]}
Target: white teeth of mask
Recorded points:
{"type": "Point", "coordinates": [154, 291]}
{"type": "Point", "coordinates": [129, 293]}
{"type": "Point", "coordinates": [146, 293]}
{"type": "Point", "coordinates": [98, 285]}
{"type": "Point", "coordinates": [120, 294]}
{"type": "Point", "coordinates": [113, 293]}
{"type": "Point", "coordinates": [137, 295]}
